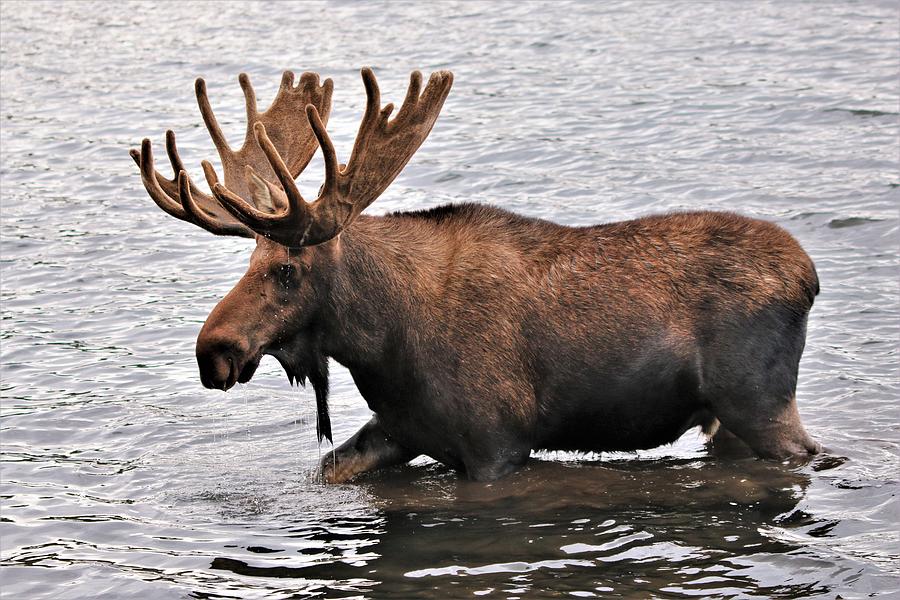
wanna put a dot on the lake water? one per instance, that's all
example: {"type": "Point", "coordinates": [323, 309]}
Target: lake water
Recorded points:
{"type": "Point", "coordinates": [122, 477]}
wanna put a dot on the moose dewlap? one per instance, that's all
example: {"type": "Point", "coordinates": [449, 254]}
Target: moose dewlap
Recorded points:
{"type": "Point", "coordinates": [474, 334]}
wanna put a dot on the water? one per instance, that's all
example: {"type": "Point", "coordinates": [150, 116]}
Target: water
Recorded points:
{"type": "Point", "coordinates": [123, 478]}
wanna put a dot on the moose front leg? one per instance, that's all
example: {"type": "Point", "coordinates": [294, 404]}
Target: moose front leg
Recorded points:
{"type": "Point", "coordinates": [370, 449]}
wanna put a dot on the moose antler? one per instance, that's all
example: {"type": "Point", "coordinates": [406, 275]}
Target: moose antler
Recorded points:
{"type": "Point", "coordinates": [381, 150]}
{"type": "Point", "coordinates": [248, 168]}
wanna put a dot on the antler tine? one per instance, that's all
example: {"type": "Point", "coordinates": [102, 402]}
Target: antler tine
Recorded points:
{"type": "Point", "coordinates": [209, 208]}
{"type": "Point", "coordinates": [199, 217]}
{"type": "Point", "coordinates": [373, 98]}
{"type": "Point", "coordinates": [239, 208]}
{"type": "Point", "coordinates": [172, 152]}
{"type": "Point", "coordinates": [329, 156]}
{"type": "Point", "coordinates": [412, 94]}
{"type": "Point", "coordinates": [249, 100]}
{"type": "Point", "coordinates": [296, 203]}
{"type": "Point", "coordinates": [209, 119]}
{"type": "Point", "coordinates": [144, 158]}
{"type": "Point", "coordinates": [169, 187]}
{"type": "Point", "coordinates": [169, 194]}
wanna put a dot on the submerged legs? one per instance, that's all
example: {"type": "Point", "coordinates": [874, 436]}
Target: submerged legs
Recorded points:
{"type": "Point", "coordinates": [369, 449]}
{"type": "Point", "coordinates": [777, 434]}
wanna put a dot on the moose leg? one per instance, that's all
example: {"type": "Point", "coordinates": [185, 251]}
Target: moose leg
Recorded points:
{"type": "Point", "coordinates": [750, 378]}
{"type": "Point", "coordinates": [369, 449]}
{"type": "Point", "coordinates": [490, 470]}
{"type": "Point", "coordinates": [723, 443]}
{"type": "Point", "coordinates": [759, 408]}
{"type": "Point", "coordinates": [775, 433]}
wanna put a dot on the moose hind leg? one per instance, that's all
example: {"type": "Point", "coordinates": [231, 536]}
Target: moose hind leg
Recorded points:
{"type": "Point", "coordinates": [369, 449]}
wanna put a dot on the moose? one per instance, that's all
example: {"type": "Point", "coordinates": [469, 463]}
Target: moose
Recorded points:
{"type": "Point", "coordinates": [476, 335]}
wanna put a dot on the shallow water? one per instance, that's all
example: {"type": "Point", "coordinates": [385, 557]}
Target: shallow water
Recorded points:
{"type": "Point", "coordinates": [123, 478]}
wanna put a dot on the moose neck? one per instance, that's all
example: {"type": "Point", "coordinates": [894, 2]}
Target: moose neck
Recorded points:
{"type": "Point", "coordinates": [385, 269]}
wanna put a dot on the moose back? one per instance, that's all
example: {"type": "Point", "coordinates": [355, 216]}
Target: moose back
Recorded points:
{"type": "Point", "coordinates": [474, 334]}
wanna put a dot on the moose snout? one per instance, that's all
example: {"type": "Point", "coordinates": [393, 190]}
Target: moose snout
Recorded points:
{"type": "Point", "coordinates": [220, 362]}
{"type": "Point", "coordinates": [216, 371]}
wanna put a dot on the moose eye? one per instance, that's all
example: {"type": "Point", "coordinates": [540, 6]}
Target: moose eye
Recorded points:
{"type": "Point", "coordinates": [286, 274]}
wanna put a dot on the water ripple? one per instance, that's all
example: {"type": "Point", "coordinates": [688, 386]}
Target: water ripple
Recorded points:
{"type": "Point", "coordinates": [122, 477]}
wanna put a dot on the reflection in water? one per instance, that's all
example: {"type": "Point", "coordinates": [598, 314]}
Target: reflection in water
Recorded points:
{"type": "Point", "coordinates": [687, 526]}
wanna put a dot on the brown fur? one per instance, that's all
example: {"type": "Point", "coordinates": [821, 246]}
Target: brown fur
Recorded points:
{"type": "Point", "coordinates": [476, 335]}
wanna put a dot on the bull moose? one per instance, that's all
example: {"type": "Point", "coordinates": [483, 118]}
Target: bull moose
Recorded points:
{"type": "Point", "coordinates": [475, 334]}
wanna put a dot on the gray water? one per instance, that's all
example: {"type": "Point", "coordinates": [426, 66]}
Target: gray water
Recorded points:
{"type": "Point", "coordinates": [123, 478]}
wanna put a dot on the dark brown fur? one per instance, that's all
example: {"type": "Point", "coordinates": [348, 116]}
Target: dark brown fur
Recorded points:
{"type": "Point", "coordinates": [477, 335]}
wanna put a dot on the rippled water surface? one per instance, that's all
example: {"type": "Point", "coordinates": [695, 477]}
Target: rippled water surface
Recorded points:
{"type": "Point", "coordinates": [123, 478]}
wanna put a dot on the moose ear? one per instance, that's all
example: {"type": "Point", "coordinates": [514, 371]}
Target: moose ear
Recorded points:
{"type": "Point", "coordinates": [267, 197]}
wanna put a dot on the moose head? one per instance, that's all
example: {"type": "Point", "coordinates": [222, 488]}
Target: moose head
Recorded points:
{"type": "Point", "coordinates": [278, 305]}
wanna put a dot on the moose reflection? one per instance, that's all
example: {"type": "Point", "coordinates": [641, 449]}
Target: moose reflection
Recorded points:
{"type": "Point", "coordinates": [628, 525]}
